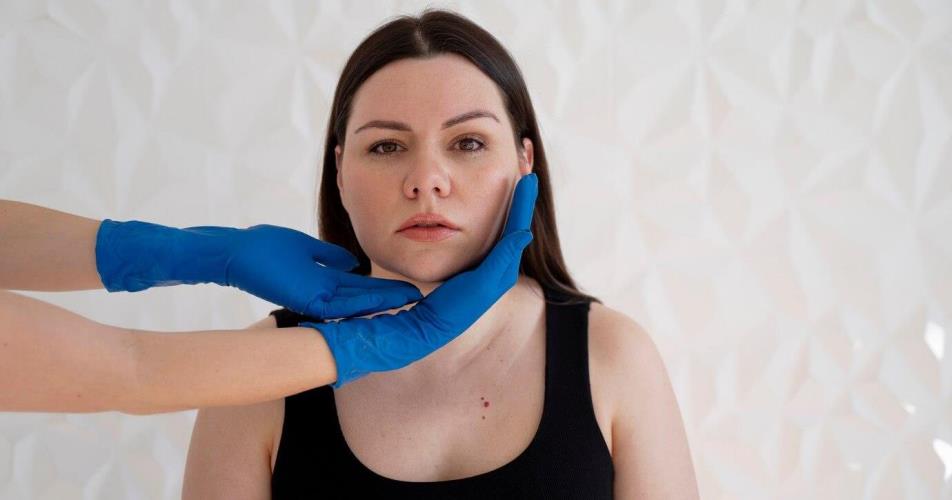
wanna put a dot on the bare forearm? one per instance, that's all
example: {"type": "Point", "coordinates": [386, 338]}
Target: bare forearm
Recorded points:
{"type": "Point", "coordinates": [45, 249]}
{"type": "Point", "coordinates": [53, 360]}
{"type": "Point", "coordinates": [231, 367]}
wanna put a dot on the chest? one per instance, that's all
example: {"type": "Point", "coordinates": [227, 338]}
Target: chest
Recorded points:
{"type": "Point", "coordinates": [460, 429]}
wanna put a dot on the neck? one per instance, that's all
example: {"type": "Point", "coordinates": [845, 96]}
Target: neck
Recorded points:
{"type": "Point", "coordinates": [486, 334]}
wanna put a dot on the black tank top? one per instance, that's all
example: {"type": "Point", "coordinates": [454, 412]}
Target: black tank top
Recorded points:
{"type": "Point", "coordinates": [567, 457]}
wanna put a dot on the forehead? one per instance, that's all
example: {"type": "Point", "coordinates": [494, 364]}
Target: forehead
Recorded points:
{"type": "Point", "coordinates": [425, 92]}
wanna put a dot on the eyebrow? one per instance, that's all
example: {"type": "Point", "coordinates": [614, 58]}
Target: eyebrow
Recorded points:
{"type": "Point", "coordinates": [395, 125]}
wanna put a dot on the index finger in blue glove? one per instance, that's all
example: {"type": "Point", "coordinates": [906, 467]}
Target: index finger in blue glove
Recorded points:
{"type": "Point", "coordinates": [523, 204]}
{"type": "Point", "coordinates": [353, 305]}
{"type": "Point", "coordinates": [395, 293]}
{"type": "Point", "coordinates": [359, 295]}
{"type": "Point", "coordinates": [333, 293]}
{"type": "Point", "coordinates": [369, 282]}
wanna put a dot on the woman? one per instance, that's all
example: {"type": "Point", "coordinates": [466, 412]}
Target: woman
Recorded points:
{"type": "Point", "coordinates": [548, 394]}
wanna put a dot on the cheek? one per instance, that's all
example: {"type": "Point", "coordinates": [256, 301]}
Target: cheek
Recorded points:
{"type": "Point", "coordinates": [363, 197]}
{"type": "Point", "coordinates": [493, 202]}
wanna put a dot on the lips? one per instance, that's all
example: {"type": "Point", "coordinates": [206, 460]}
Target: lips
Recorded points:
{"type": "Point", "coordinates": [427, 220]}
{"type": "Point", "coordinates": [434, 233]}
{"type": "Point", "coordinates": [427, 227]}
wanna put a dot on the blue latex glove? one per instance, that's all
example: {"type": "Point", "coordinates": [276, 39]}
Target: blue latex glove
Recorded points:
{"type": "Point", "coordinates": [277, 264]}
{"type": "Point", "coordinates": [390, 341]}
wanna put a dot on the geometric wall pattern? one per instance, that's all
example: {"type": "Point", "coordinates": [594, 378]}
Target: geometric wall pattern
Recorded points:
{"type": "Point", "coordinates": [766, 186]}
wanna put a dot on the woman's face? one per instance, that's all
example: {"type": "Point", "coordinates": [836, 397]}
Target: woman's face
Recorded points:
{"type": "Point", "coordinates": [404, 153]}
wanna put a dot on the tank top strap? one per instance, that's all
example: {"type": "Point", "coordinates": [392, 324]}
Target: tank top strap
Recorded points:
{"type": "Point", "coordinates": [568, 391]}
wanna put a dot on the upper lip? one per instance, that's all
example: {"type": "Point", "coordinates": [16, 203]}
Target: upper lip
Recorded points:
{"type": "Point", "coordinates": [427, 218]}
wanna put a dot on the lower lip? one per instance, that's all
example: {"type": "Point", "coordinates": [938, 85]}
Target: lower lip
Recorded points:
{"type": "Point", "coordinates": [435, 233]}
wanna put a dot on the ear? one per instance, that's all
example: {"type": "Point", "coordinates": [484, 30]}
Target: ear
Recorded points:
{"type": "Point", "coordinates": [340, 178]}
{"type": "Point", "coordinates": [525, 161]}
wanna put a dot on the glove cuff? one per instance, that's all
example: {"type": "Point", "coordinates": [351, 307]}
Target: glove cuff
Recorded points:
{"type": "Point", "coordinates": [134, 255]}
{"type": "Point", "coordinates": [341, 350]}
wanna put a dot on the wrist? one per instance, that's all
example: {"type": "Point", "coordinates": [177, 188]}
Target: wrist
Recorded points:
{"type": "Point", "coordinates": [135, 255]}
{"type": "Point", "coordinates": [342, 350]}
{"type": "Point", "coordinates": [200, 255]}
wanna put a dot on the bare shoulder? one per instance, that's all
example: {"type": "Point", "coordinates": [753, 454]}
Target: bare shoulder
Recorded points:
{"type": "Point", "coordinates": [626, 358]}
{"type": "Point", "coordinates": [614, 325]}
{"type": "Point", "coordinates": [620, 352]}
{"type": "Point", "coordinates": [619, 343]}
{"type": "Point", "coordinates": [650, 450]}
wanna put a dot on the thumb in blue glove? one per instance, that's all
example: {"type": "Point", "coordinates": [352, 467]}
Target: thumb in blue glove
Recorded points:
{"type": "Point", "coordinates": [391, 341]}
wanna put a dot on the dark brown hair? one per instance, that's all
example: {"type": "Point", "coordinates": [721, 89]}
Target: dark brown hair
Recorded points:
{"type": "Point", "coordinates": [436, 32]}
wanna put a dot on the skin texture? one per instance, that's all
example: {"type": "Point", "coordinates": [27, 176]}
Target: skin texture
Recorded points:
{"type": "Point", "coordinates": [65, 362]}
{"type": "Point", "coordinates": [46, 250]}
{"type": "Point", "coordinates": [429, 421]}
{"type": "Point", "coordinates": [429, 168]}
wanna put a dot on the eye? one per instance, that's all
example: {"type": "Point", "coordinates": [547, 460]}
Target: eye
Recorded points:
{"type": "Point", "coordinates": [476, 145]}
{"type": "Point", "coordinates": [386, 151]}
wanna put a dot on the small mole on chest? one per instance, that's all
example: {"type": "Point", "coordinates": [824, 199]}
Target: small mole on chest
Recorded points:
{"type": "Point", "coordinates": [485, 405]}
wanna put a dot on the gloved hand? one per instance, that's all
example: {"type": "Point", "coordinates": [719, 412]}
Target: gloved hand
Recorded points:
{"type": "Point", "coordinates": [274, 263]}
{"type": "Point", "coordinates": [390, 341]}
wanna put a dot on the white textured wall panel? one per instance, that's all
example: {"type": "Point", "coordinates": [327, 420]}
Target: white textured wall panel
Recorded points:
{"type": "Point", "coordinates": [765, 186]}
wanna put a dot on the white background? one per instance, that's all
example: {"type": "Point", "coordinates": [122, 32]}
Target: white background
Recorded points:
{"type": "Point", "coordinates": [765, 186]}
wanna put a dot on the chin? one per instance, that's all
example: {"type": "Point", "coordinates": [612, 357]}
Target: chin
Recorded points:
{"type": "Point", "coordinates": [429, 270]}
{"type": "Point", "coordinates": [433, 274]}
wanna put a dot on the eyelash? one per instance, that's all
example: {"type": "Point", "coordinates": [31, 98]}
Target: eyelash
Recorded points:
{"type": "Point", "coordinates": [481, 148]}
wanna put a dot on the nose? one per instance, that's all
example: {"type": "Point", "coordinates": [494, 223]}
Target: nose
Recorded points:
{"type": "Point", "coordinates": [427, 177]}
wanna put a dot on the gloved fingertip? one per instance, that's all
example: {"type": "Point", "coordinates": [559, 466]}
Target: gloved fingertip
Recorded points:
{"type": "Point", "coordinates": [524, 237]}
{"type": "Point", "coordinates": [413, 294]}
{"type": "Point", "coordinates": [409, 290]}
